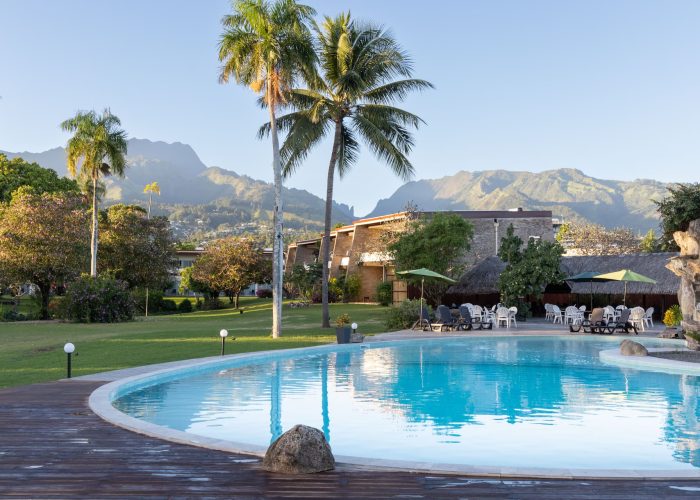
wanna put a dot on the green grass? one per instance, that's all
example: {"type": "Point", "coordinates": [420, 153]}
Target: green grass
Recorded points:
{"type": "Point", "coordinates": [33, 351]}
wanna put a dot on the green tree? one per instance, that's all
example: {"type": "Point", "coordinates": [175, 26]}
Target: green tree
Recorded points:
{"type": "Point", "coordinates": [151, 189]}
{"type": "Point", "coordinates": [99, 146]}
{"type": "Point", "coordinates": [353, 99]}
{"type": "Point", "coordinates": [677, 209]}
{"type": "Point", "coordinates": [231, 264]}
{"type": "Point", "coordinates": [650, 243]}
{"type": "Point", "coordinates": [266, 46]}
{"type": "Point", "coordinates": [18, 173]}
{"type": "Point", "coordinates": [136, 249]}
{"type": "Point", "coordinates": [304, 279]}
{"type": "Point", "coordinates": [43, 240]}
{"type": "Point", "coordinates": [438, 243]}
{"type": "Point", "coordinates": [529, 269]}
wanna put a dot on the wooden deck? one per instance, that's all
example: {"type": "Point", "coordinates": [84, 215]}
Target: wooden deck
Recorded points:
{"type": "Point", "coordinates": [53, 446]}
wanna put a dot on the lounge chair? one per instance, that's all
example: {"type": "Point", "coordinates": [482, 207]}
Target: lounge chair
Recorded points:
{"type": "Point", "coordinates": [622, 324]}
{"type": "Point", "coordinates": [467, 322]}
{"type": "Point", "coordinates": [594, 324]}
{"type": "Point", "coordinates": [444, 319]}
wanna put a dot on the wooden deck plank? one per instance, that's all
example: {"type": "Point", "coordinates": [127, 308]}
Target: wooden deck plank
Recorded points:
{"type": "Point", "coordinates": [53, 446]}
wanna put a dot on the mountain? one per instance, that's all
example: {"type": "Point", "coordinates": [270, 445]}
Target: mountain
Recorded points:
{"type": "Point", "coordinates": [566, 192]}
{"type": "Point", "coordinates": [187, 182]}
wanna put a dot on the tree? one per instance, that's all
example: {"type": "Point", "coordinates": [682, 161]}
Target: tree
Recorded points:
{"type": "Point", "coordinates": [304, 279]}
{"type": "Point", "coordinates": [677, 209]}
{"type": "Point", "coordinates": [528, 270]}
{"type": "Point", "coordinates": [43, 240]}
{"type": "Point", "coordinates": [229, 265]}
{"type": "Point", "coordinates": [593, 239]}
{"type": "Point", "coordinates": [439, 243]}
{"type": "Point", "coordinates": [18, 173]}
{"type": "Point", "coordinates": [136, 249]}
{"type": "Point", "coordinates": [99, 146]}
{"type": "Point", "coordinates": [352, 99]}
{"type": "Point", "coordinates": [151, 188]}
{"type": "Point", "coordinates": [266, 46]}
{"type": "Point", "coordinates": [650, 243]}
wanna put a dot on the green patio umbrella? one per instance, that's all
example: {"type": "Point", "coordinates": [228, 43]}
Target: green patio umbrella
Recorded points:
{"type": "Point", "coordinates": [587, 277]}
{"type": "Point", "coordinates": [626, 275]}
{"type": "Point", "coordinates": [425, 273]}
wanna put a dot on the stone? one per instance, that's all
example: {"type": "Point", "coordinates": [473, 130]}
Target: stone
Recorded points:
{"type": "Point", "coordinates": [300, 450]}
{"type": "Point", "coordinates": [668, 333]}
{"type": "Point", "coordinates": [687, 267]}
{"type": "Point", "coordinates": [356, 338]}
{"type": "Point", "coordinates": [691, 340]}
{"type": "Point", "coordinates": [632, 348]}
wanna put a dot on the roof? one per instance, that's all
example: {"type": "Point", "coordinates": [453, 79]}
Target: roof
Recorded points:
{"type": "Point", "coordinates": [483, 278]}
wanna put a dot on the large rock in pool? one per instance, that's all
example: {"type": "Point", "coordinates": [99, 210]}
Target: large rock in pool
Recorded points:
{"type": "Point", "coordinates": [632, 348]}
{"type": "Point", "coordinates": [300, 450]}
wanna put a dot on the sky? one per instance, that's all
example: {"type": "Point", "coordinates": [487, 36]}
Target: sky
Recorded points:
{"type": "Point", "coordinates": [610, 88]}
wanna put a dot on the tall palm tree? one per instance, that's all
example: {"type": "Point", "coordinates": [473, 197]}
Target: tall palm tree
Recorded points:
{"type": "Point", "coordinates": [99, 146]}
{"type": "Point", "coordinates": [363, 74]}
{"type": "Point", "coordinates": [151, 188]}
{"type": "Point", "coordinates": [266, 46]}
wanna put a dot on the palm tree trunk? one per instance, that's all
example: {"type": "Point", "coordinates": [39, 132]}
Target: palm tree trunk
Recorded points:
{"type": "Point", "coordinates": [277, 243]}
{"type": "Point", "coordinates": [93, 242]}
{"type": "Point", "coordinates": [326, 243]}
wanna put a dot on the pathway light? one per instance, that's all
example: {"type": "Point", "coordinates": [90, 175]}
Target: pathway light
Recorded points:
{"type": "Point", "coordinates": [69, 349]}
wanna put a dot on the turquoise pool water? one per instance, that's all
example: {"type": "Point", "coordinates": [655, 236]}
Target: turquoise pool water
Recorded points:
{"type": "Point", "coordinates": [501, 401]}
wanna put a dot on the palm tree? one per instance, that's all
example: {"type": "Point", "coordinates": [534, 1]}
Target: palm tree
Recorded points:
{"type": "Point", "coordinates": [266, 46]}
{"type": "Point", "coordinates": [363, 73]}
{"type": "Point", "coordinates": [151, 188]}
{"type": "Point", "coordinates": [99, 145]}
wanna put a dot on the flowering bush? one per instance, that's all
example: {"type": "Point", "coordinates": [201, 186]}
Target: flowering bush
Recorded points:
{"type": "Point", "coordinates": [673, 316]}
{"type": "Point", "coordinates": [97, 300]}
{"type": "Point", "coordinates": [264, 293]}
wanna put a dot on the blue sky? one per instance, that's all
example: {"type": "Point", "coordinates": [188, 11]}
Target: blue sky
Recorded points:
{"type": "Point", "coordinates": [611, 88]}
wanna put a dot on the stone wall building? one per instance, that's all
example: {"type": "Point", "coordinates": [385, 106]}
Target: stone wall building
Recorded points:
{"type": "Point", "coordinates": [360, 248]}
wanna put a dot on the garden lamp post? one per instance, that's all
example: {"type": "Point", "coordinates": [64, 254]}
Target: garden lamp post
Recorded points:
{"type": "Point", "coordinates": [354, 327]}
{"type": "Point", "coordinates": [223, 333]}
{"type": "Point", "coordinates": [69, 348]}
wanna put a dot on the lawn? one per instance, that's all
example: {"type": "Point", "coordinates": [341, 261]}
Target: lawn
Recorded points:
{"type": "Point", "coordinates": [33, 351]}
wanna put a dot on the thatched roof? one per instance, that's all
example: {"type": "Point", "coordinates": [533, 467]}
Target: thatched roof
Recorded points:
{"type": "Point", "coordinates": [483, 278]}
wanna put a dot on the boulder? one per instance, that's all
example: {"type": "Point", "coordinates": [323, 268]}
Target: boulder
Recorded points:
{"type": "Point", "coordinates": [632, 348]}
{"type": "Point", "coordinates": [300, 450]}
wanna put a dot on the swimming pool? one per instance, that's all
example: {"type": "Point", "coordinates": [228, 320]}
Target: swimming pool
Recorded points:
{"type": "Point", "coordinates": [521, 402]}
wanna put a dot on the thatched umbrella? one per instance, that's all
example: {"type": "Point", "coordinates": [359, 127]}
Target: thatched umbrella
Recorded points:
{"type": "Point", "coordinates": [425, 273]}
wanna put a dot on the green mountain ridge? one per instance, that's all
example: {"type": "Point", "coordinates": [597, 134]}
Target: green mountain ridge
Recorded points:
{"type": "Point", "coordinates": [568, 193]}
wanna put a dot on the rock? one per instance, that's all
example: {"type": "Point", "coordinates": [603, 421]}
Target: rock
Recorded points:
{"type": "Point", "coordinates": [632, 348]}
{"type": "Point", "coordinates": [356, 338]}
{"type": "Point", "coordinates": [668, 333]}
{"type": "Point", "coordinates": [691, 341]}
{"type": "Point", "coordinates": [300, 450]}
{"type": "Point", "coordinates": [687, 267]}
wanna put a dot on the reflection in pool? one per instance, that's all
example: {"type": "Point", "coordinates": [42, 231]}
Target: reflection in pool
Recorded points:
{"type": "Point", "coordinates": [501, 401]}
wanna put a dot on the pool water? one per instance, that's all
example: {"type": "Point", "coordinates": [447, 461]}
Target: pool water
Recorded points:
{"type": "Point", "coordinates": [503, 401]}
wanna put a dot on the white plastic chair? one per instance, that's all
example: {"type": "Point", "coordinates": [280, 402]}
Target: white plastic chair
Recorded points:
{"type": "Point", "coordinates": [609, 314]}
{"type": "Point", "coordinates": [548, 313]}
{"type": "Point", "coordinates": [503, 316]}
{"type": "Point", "coordinates": [513, 312]}
{"type": "Point", "coordinates": [477, 312]}
{"type": "Point", "coordinates": [556, 313]}
{"type": "Point", "coordinates": [649, 317]}
{"type": "Point", "coordinates": [572, 315]}
{"type": "Point", "coordinates": [637, 318]}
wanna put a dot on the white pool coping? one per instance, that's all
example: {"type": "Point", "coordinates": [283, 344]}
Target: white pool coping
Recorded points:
{"type": "Point", "coordinates": [100, 402]}
{"type": "Point", "coordinates": [650, 363]}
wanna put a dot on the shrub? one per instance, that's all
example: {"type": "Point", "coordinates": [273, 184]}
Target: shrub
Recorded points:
{"type": "Point", "coordinates": [385, 293]}
{"type": "Point", "coordinates": [185, 306]}
{"type": "Point", "coordinates": [352, 287]}
{"type": "Point", "coordinates": [12, 315]}
{"type": "Point", "coordinates": [155, 300]}
{"type": "Point", "coordinates": [169, 306]}
{"type": "Point", "coordinates": [97, 300]}
{"type": "Point", "coordinates": [673, 316]}
{"type": "Point", "coordinates": [342, 320]}
{"type": "Point", "coordinates": [211, 304]}
{"type": "Point", "coordinates": [264, 293]}
{"type": "Point", "coordinates": [403, 315]}
{"type": "Point", "coordinates": [335, 290]}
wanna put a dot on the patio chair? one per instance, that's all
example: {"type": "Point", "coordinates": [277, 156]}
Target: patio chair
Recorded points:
{"type": "Point", "coordinates": [609, 313]}
{"type": "Point", "coordinates": [649, 317]}
{"type": "Point", "coordinates": [594, 324]}
{"type": "Point", "coordinates": [478, 312]}
{"type": "Point", "coordinates": [583, 309]}
{"type": "Point", "coordinates": [466, 321]}
{"type": "Point", "coordinates": [556, 315]}
{"type": "Point", "coordinates": [572, 315]}
{"type": "Point", "coordinates": [503, 316]}
{"type": "Point", "coordinates": [513, 312]}
{"type": "Point", "coordinates": [637, 318]}
{"type": "Point", "coordinates": [622, 324]}
{"type": "Point", "coordinates": [548, 313]}
{"type": "Point", "coordinates": [444, 319]}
